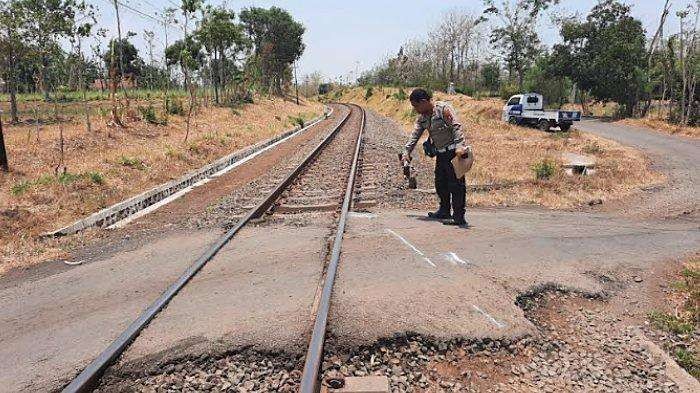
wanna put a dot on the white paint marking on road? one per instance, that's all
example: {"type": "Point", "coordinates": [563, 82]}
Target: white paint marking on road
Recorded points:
{"type": "Point", "coordinates": [500, 325]}
{"type": "Point", "coordinates": [362, 215]}
{"type": "Point", "coordinates": [165, 201]}
{"type": "Point", "coordinates": [455, 259]}
{"type": "Point", "coordinates": [416, 250]}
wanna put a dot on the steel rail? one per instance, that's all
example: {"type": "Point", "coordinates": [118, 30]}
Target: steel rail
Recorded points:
{"type": "Point", "coordinates": [90, 376]}
{"type": "Point", "coordinates": [314, 355]}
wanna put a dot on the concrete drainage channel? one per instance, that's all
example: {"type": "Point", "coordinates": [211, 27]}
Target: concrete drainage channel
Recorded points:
{"type": "Point", "coordinates": [123, 212]}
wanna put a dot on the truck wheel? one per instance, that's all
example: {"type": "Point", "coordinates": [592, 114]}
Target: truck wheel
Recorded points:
{"type": "Point", "coordinates": [513, 120]}
{"type": "Point", "coordinates": [543, 125]}
{"type": "Point", "coordinates": [565, 127]}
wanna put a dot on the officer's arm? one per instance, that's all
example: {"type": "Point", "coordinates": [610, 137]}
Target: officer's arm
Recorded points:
{"type": "Point", "coordinates": [415, 136]}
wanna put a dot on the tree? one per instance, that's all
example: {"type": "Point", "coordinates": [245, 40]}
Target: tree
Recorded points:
{"type": "Point", "coordinates": [131, 62]}
{"type": "Point", "coordinates": [45, 22]}
{"type": "Point", "coordinates": [277, 43]}
{"type": "Point", "coordinates": [516, 36]}
{"type": "Point", "coordinates": [310, 83]}
{"type": "Point", "coordinates": [491, 76]}
{"type": "Point", "coordinates": [541, 78]}
{"type": "Point", "coordinates": [452, 43]}
{"type": "Point", "coordinates": [605, 54]}
{"type": "Point", "coordinates": [188, 8]}
{"type": "Point", "coordinates": [186, 53]}
{"type": "Point", "coordinates": [4, 165]}
{"type": "Point", "coordinates": [219, 34]}
{"type": "Point", "coordinates": [13, 50]}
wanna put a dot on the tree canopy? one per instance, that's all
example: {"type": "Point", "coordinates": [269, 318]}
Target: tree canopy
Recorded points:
{"type": "Point", "coordinates": [605, 54]}
{"type": "Point", "coordinates": [277, 42]}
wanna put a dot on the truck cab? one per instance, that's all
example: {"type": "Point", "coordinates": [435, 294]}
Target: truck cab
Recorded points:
{"type": "Point", "coordinates": [528, 109]}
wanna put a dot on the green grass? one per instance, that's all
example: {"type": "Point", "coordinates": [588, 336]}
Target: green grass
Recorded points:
{"type": "Point", "coordinates": [65, 178]}
{"type": "Point", "coordinates": [20, 188]}
{"type": "Point", "coordinates": [670, 323]}
{"type": "Point", "coordinates": [684, 326]}
{"type": "Point", "coordinates": [131, 162]}
{"type": "Point", "coordinates": [689, 361]}
{"type": "Point", "coordinates": [96, 177]}
{"type": "Point", "coordinates": [544, 169]}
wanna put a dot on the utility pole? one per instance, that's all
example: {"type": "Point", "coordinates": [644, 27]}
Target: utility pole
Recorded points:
{"type": "Point", "coordinates": [296, 85]}
{"type": "Point", "coordinates": [4, 166]}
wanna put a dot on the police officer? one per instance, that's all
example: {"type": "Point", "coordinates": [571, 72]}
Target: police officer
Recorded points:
{"type": "Point", "coordinates": [445, 140]}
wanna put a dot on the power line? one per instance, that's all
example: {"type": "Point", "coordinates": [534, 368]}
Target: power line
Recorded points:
{"type": "Point", "coordinates": [144, 14]}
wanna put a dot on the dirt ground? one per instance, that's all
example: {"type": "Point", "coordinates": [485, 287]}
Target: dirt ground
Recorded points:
{"type": "Point", "coordinates": [506, 156]}
{"type": "Point", "coordinates": [43, 192]}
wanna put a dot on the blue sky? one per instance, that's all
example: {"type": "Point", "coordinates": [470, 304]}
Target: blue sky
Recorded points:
{"type": "Point", "coordinates": [342, 36]}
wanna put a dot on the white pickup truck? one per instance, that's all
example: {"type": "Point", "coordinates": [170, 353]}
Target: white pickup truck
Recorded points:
{"type": "Point", "coordinates": [526, 108]}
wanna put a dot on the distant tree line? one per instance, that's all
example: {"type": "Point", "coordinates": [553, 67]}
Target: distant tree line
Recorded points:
{"type": "Point", "coordinates": [231, 55]}
{"type": "Point", "coordinates": [604, 57]}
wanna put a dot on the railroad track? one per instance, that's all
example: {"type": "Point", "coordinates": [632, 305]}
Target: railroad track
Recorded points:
{"type": "Point", "coordinates": [323, 182]}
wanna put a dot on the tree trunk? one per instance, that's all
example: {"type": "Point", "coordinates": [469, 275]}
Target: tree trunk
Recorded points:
{"type": "Point", "coordinates": [216, 80]}
{"type": "Point", "coordinates": [13, 100]}
{"type": "Point", "coordinates": [222, 81]}
{"type": "Point", "coordinates": [4, 165]}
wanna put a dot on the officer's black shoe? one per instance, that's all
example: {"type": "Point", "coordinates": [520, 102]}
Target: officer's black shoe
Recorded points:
{"type": "Point", "coordinates": [459, 223]}
{"type": "Point", "coordinates": [438, 215]}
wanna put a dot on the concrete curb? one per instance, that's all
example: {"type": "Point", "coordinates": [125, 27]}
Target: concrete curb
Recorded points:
{"type": "Point", "coordinates": [685, 381]}
{"type": "Point", "coordinates": [133, 205]}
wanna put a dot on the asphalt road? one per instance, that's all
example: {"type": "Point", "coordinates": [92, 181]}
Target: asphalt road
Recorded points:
{"type": "Point", "coordinates": [398, 273]}
{"type": "Point", "coordinates": [676, 156]}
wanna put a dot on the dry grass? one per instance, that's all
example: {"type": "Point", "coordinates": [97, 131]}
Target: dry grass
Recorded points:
{"type": "Point", "coordinates": [505, 155]}
{"type": "Point", "coordinates": [111, 164]}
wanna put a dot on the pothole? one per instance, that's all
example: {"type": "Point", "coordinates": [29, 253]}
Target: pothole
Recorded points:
{"type": "Point", "coordinates": [579, 348]}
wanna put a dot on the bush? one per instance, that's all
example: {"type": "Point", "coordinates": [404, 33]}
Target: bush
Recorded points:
{"type": "Point", "coordinates": [149, 115]}
{"type": "Point", "coordinates": [368, 93]}
{"type": "Point", "coordinates": [544, 169]}
{"type": "Point", "coordinates": [400, 95]}
{"type": "Point", "coordinates": [508, 90]}
{"type": "Point", "coordinates": [297, 120]}
{"type": "Point", "coordinates": [173, 106]}
{"type": "Point", "coordinates": [465, 90]}
{"type": "Point", "coordinates": [20, 188]}
{"type": "Point", "coordinates": [67, 178]}
{"type": "Point", "coordinates": [95, 177]}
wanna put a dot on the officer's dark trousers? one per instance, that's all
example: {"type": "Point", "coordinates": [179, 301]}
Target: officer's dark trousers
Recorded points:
{"type": "Point", "coordinates": [448, 187]}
